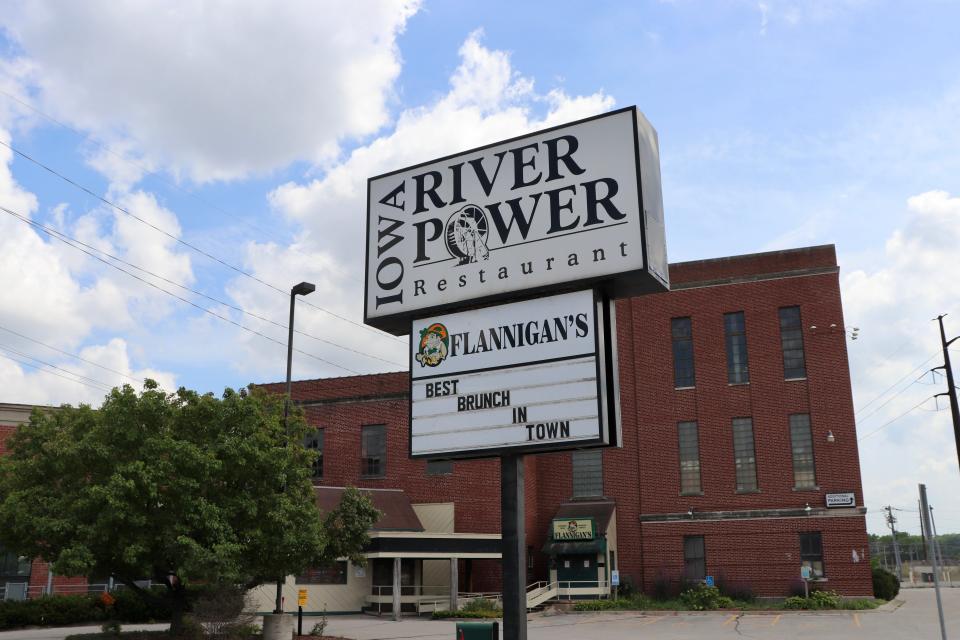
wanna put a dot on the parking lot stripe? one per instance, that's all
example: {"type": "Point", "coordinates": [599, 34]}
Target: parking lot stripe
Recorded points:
{"type": "Point", "coordinates": [729, 619]}
{"type": "Point", "coordinates": [652, 620]}
{"type": "Point", "coordinates": [775, 620]}
{"type": "Point", "coordinates": [856, 619]}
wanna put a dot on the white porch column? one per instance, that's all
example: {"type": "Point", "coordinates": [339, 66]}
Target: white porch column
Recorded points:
{"type": "Point", "coordinates": [454, 584]}
{"type": "Point", "coordinates": [396, 589]}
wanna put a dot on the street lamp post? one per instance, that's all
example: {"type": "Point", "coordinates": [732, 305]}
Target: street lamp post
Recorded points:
{"type": "Point", "coordinates": [302, 289]}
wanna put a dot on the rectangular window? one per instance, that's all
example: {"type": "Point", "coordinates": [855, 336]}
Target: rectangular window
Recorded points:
{"type": "Point", "coordinates": [587, 473]}
{"type": "Point", "coordinates": [744, 454]}
{"type": "Point", "coordinates": [333, 573]}
{"type": "Point", "coordinates": [373, 454]}
{"type": "Point", "coordinates": [801, 441]}
{"type": "Point", "coordinates": [689, 457]}
{"type": "Point", "coordinates": [735, 330]}
{"type": "Point", "coordinates": [683, 372]}
{"type": "Point", "coordinates": [439, 467]}
{"type": "Point", "coordinates": [315, 441]}
{"type": "Point", "coordinates": [811, 553]}
{"type": "Point", "coordinates": [791, 341]}
{"type": "Point", "coordinates": [12, 565]}
{"type": "Point", "coordinates": [694, 558]}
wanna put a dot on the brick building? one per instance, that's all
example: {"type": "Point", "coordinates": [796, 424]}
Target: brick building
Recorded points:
{"type": "Point", "coordinates": [737, 421]}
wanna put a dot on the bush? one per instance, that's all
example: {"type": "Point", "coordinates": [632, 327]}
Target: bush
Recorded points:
{"type": "Point", "coordinates": [439, 615]}
{"type": "Point", "coordinates": [885, 584]}
{"type": "Point", "coordinates": [220, 610]}
{"type": "Point", "coordinates": [130, 606]}
{"type": "Point", "coordinates": [817, 600]}
{"type": "Point", "coordinates": [110, 627]}
{"type": "Point", "coordinates": [481, 605]}
{"type": "Point", "coordinates": [703, 598]}
{"type": "Point", "coordinates": [859, 605]}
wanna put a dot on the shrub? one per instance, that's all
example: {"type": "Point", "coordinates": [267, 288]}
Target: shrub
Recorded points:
{"type": "Point", "coordinates": [702, 598]}
{"type": "Point", "coordinates": [319, 628]}
{"type": "Point", "coordinates": [885, 584]}
{"type": "Point", "coordinates": [439, 615]}
{"type": "Point", "coordinates": [220, 610]}
{"type": "Point", "coordinates": [130, 606]}
{"type": "Point", "coordinates": [817, 600]}
{"type": "Point", "coordinates": [859, 605]}
{"type": "Point", "coordinates": [595, 605]}
{"type": "Point", "coordinates": [481, 605]}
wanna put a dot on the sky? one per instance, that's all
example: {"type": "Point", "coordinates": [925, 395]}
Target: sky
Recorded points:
{"type": "Point", "coordinates": [169, 170]}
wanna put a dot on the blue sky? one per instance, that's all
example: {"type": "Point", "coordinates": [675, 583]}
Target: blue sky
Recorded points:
{"type": "Point", "coordinates": [248, 132]}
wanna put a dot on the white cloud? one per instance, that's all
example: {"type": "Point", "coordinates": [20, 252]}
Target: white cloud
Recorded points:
{"type": "Point", "coordinates": [488, 100]}
{"type": "Point", "coordinates": [917, 278]}
{"type": "Point", "coordinates": [214, 90]}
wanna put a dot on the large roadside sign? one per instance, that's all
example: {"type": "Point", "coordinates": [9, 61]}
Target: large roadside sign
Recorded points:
{"type": "Point", "coordinates": [520, 377]}
{"type": "Point", "coordinates": [578, 204]}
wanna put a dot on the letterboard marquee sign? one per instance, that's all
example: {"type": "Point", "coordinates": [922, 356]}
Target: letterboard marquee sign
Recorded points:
{"type": "Point", "coordinates": [579, 203]}
{"type": "Point", "coordinates": [524, 376]}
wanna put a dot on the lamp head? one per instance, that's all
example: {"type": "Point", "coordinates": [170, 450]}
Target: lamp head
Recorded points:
{"type": "Point", "coordinates": [303, 289]}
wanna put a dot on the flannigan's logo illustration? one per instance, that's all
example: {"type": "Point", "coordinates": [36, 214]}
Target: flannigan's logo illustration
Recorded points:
{"type": "Point", "coordinates": [467, 232]}
{"type": "Point", "coordinates": [434, 345]}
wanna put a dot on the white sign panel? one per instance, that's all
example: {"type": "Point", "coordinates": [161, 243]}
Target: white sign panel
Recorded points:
{"type": "Point", "coordinates": [521, 376]}
{"type": "Point", "coordinates": [576, 203]}
{"type": "Point", "coordinates": [836, 500]}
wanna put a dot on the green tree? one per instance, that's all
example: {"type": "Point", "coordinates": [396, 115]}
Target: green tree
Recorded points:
{"type": "Point", "coordinates": [182, 488]}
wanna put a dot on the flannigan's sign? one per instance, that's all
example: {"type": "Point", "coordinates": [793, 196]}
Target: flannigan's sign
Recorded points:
{"type": "Point", "coordinates": [579, 203]}
{"type": "Point", "coordinates": [523, 377]}
{"type": "Point", "coordinates": [573, 529]}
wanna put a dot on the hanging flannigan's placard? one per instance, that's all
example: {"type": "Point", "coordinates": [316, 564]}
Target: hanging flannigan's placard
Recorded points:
{"type": "Point", "coordinates": [576, 203]}
{"type": "Point", "coordinates": [525, 376]}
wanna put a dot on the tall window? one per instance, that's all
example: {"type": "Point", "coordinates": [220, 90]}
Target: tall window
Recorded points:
{"type": "Point", "coordinates": [439, 467]}
{"type": "Point", "coordinates": [689, 457]}
{"type": "Point", "coordinates": [13, 565]}
{"type": "Point", "coordinates": [373, 454]}
{"type": "Point", "coordinates": [683, 372]}
{"type": "Point", "coordinates": [315, 441]}
{"type": "Point", "coordinates": [811, 553]}
{"type": "Point", "coordinates": [735, 331]}
{"type": "Point", "coordinates": [587, 473]}
{"type": "Point", "coordinates": [791, 341]}
{"type": "Point", "coordinates": [694, 558]}
{"type": "Point", "coordinates": [801, 441]}
{"type": "Point", "coordinates": [744, 454]}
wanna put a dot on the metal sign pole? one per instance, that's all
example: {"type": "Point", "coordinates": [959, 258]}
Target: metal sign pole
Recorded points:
{"type": "Point", "coordinates": [514, 549]}
{"type": "Point", "coordinates": [925, 517]}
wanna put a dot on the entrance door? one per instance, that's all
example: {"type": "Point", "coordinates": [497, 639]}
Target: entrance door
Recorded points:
{"type": "Point", "coordinates": [580, 569]}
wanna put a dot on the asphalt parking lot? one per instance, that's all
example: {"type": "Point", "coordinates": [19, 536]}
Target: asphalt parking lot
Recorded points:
{"type": "Point", "coordinates": [916, 618]}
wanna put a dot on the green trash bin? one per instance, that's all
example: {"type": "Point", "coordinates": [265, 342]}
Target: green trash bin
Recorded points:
{"type": "Point", "coordinates": [478, 630]}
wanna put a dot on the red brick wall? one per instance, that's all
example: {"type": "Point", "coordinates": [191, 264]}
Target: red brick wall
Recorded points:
{"type": "Point", "coordinates": [643, 476]}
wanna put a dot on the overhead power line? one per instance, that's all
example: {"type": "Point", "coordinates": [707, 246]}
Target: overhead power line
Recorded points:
{"type": "Point", "coordinates": [157, 175]}
{"type": "Point", "coordinates": [67, 353]}
{"type": "Point", "coordinates": [181, 298]}
{"type": "Point", "coordinates": [907, 375]}
{"type": "Point", "coordinates": [68, 239]}
{"type": "Point", "coordinates": [185, 243]}
{"type": "Point", "coordinates": [101, 386]}
{"type": "Point", "coordinates": [891, 421]}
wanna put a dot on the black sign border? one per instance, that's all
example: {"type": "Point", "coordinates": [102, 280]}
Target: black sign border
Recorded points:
{"type": "Point", "coordinates": [617, 285]}
{"type": "Point", "coordinates": [604, 395]}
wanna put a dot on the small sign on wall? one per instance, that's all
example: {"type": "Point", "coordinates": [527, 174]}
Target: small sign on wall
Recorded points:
{"type": "Point", "coordinates": [840, 500]}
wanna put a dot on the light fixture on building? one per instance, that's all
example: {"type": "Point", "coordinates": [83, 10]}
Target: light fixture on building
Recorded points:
{"type": "Point", "coordinates": [831, 437]}
{"type": "Point", "coordinates": [807, 509]}
{"type": "Point", "coordinates": [690, 512]}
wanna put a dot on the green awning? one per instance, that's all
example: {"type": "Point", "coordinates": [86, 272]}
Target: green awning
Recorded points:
{"type": "Point", "coordinates": [575, 547]}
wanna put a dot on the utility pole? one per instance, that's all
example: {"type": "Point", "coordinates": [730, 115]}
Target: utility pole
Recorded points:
{"type": "Point", "coordinates": [896, 547]}
{"type": "Point", "coordinates": [951, 388]}
{"type": "Point", "coordinates": [936, 543]}
{"type": "Point", "coordinates": [925, 518]}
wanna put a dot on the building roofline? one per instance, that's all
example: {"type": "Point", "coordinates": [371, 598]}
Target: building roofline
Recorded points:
{"type": "Point", "coordinates": [759, 254]}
